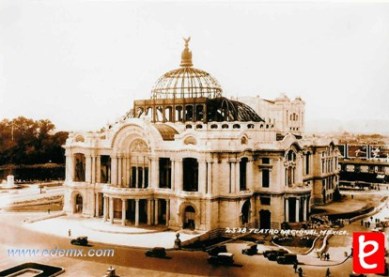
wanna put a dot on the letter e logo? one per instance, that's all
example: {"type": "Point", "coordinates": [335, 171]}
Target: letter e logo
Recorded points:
{"type": "Point", "coordinates": [369, 252]}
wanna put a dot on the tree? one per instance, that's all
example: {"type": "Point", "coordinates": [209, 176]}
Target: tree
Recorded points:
{"type": "Point", "coordinates": [28, 141]}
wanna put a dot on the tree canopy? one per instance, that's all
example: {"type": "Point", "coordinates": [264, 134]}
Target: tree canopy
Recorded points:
{"type": "Point", "coordinates": [28, 141]}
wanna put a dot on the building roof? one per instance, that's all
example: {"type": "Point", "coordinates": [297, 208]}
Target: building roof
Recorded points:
{"type": "Point", "coordinates": [167, 132]}
{"type": "Point", "coordinates": [224, 109]}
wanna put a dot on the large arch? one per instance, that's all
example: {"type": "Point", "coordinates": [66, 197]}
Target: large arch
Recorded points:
{"type": "Point", "coordinates": [189, 216]}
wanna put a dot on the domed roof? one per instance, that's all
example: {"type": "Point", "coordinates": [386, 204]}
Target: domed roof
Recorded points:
{"type": "Point", "coordinates": [223, 109]}
{"type": "Point", "coordinates": [186, 81]}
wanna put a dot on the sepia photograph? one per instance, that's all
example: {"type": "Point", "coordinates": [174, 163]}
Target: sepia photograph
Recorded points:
{"type": "Point", "coordinates": [194, 138]}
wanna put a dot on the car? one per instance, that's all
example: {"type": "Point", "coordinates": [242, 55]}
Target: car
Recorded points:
{"type": "Point", "coordinates": [287, 259]}
{"type": "Point", "coordinates": [216, 250]}
{"type": "Point", "coordinates": [157, 252]}
{"type": "Point", "coordinates": [272, 256]}
{"type": "Point", "coordinates": [223, 258]}
{"type": "Point", "coordinates": [83, 241]}
{"type": "Point", "coordinates": [250, 250]}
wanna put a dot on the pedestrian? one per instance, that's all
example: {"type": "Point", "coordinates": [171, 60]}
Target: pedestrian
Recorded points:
{"type": "Point", "coordinates": [361, 222]}
{"type": "Point", "coordinates": [328, 256]}
{"type": "Point", "coordinates": [69, 233]}
{"type": "Point", "coordinates": [328, 272]}
{"type": "Point", "coordinates": [300, 271]}
{"type": "Point", "coordinates": [48, 211]}
{"type": "Point", "coordinates": [295, 267]}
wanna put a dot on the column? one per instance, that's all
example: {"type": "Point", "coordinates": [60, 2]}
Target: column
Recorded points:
{"type": "Point", "coordinates": [286, 209]}
{"type": "Point", "coordinates": [208, 188]}
{"type": "Point", "coordinates": [105, 211]}
{"type": "Point", "coordinates": [304, 203]}
{"type": "Point", "coordinates": [124, 212]}
{"type": "Point", "coordinates": [97, 204]}
{"type": "Point", "coordinates": [69, 167]}
{"type": "Point", "coordinates": [137, 173]}
{"type": "Point", "coordinates": [143, 173]}
{"type": "Point", "coordinates": [136, 212]}
{"type": "Point", "coordinates": [173, 175]}
{"type": "Point", "coordinates": [232, 176]}
{"type": "Point", "coordinates": [253, 211]}
{"type": "Point", "coordinates": [249, 181]}
{"type": "Point", "coordinates": [98, 169]}
{"type": "Point", "coordinates": [120, 174]}
{"type": "Point", "coordinates": [167, 212]}
{"type": "Point", "coordinates": [237, 175]}
{"type": "Point", "coordinates": [297, 209]}
{"type": "Point", "coordinates": [179, 175]}
{"type": "Point", "coordinates": [155, 211]}
{"type": "Point", "coordinates": [114, 165]}
{"type": "Point", "coordinates": [149, 212]}
{"type": "Point", "coordinates": [124, 172]}
{"type": "Point", "coordinates": [202, 176]}
{"type": "Point", "coordinates": [111, 210]}
{"type": "Point", "coordinates": [93, 177]}
{"type": "Point", "coordinates": [154, 172]}
{"type": "Point", "coordinates": [88, 169]}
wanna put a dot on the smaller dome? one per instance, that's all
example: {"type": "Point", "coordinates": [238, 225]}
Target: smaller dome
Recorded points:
{"type": "Point", "coordinates": [223, 109]}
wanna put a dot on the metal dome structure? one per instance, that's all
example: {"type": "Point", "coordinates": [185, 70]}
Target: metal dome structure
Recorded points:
{"type": "Point", "coordinates": [186, 81]}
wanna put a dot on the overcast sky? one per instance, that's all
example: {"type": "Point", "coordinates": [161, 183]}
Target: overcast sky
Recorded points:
{"type": "Point", "coordinates": [82, 63]}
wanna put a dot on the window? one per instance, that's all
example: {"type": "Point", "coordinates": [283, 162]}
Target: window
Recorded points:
{"type": "Point", "coordinates": [191, 173]}
{"type": "Point", "coordinates": [265, 160]}
{"type": "Point", "coordinates": [265, 178]}
{"type": "Point", "coordinates": [165, 172]}
{"type": "Point", "coordinates": [243, 174]}
{"type": "Point", "coordinates": [133, 177]}
{"type": "Point", "coordinates": [307, 163]}
{"type": "Point", "coordinates": [265, 200]}
{"type": "Point", "coordinates": [105, 169]}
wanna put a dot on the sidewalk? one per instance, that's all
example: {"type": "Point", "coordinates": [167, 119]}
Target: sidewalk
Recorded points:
{"type": "Point", "coordinates": [98, 231]}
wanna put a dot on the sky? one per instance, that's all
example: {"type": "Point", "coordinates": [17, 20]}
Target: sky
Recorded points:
{"type": "Point", "coordinates": [82, 63]}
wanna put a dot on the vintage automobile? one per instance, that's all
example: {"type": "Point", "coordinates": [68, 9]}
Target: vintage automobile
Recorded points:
{"type": "Point", "coordinates": [83, 241]}
{"type": "Point", "coordinates": [274, 254]}
{"type": "Point", "coordinates": [216, 250]}
{"type": "Point", "coordinates": [223, 258]}
{"type": "Point", "coordinates": [287, 259]}
{"type": "Point", "coordinates": [157, 252]}
{"type": "Point", "coordinates": [250, 250]}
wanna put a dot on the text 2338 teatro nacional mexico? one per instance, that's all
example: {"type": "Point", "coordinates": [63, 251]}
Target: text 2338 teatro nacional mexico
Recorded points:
{"type": "Point", "coordinates": [188, 157]}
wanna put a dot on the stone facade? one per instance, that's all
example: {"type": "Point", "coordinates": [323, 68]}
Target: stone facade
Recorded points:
{"type": "Point", "coordinates": [199, 162]}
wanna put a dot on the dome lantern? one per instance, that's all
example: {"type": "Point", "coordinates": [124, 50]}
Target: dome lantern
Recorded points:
{"type": "Point", "coordinates": [186, 81]}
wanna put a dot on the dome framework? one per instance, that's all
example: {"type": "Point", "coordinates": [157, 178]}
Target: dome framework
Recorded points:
{"type": "Point", "coordinates": [189, 94]}
{"type": "Point", "coordinates": [186, 81]}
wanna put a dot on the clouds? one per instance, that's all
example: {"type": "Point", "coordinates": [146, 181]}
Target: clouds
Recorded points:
{"type": "Point", "coordinates": [82, 63]}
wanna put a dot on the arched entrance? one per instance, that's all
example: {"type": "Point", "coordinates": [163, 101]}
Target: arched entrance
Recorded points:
{"type": "Point", "coordinates": [78, 204]}
{"type": "Point", "coordinates": [189, 218]}
{"type": "Point", "coordinates": [264, 219]}
{"type": "Point", "coordinates": [245, 213]}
